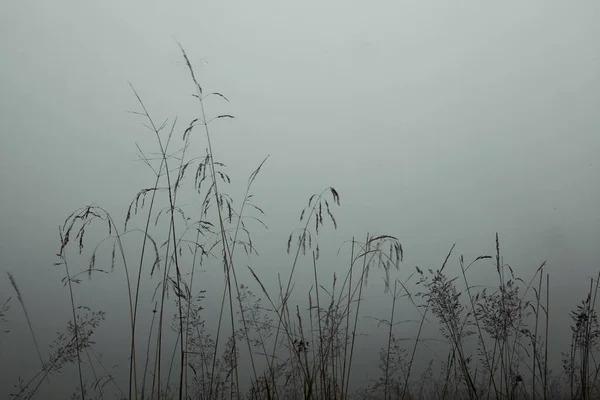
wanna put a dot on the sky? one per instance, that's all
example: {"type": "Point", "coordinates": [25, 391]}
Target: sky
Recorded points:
{"type": "Point", "coordinates": [438, 122]}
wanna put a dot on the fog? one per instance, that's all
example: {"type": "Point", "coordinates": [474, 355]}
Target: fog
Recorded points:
{"type": "Point", "coordinates": [439, 123]}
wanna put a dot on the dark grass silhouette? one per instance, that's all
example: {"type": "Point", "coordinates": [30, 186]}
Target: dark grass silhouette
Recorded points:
{"type": "Point", "coordinates": [496, 337]}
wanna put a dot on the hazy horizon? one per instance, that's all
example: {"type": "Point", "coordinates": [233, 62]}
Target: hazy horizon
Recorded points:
{"type": "Point", "coordinates": [437, 123]}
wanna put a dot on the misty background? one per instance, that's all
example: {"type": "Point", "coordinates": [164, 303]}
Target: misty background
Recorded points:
{"type": "Point", "coordinates": [437, 122]}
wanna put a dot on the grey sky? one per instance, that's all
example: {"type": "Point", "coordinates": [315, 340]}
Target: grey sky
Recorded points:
{"type": "Point", "coordinates": [438, 122]}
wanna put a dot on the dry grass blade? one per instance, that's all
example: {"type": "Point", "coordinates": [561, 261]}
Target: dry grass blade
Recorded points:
{"type": "Point", "coordinates": [29, 324]}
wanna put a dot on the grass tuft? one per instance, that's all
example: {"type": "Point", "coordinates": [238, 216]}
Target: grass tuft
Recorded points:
{"type": "Point", "coordinates": [492, 341]}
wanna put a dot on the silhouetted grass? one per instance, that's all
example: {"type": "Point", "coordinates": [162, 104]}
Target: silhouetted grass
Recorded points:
{"type": "Point", "coordinates": [495, 337]}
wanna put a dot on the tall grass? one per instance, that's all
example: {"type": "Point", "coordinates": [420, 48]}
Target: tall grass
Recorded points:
{"type": "Point", "coordinates": [262, 345]}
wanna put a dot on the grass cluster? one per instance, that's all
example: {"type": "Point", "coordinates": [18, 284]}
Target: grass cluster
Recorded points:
{"type": "Point", "coordinates": [263, 346]}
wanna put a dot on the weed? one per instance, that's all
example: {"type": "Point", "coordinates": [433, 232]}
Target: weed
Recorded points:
{"type": "Point", "coordinates": [264, 346]}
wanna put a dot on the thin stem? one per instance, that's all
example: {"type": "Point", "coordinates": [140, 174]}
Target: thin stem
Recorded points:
{"type": "Point", "coordinates": [75, 326]}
